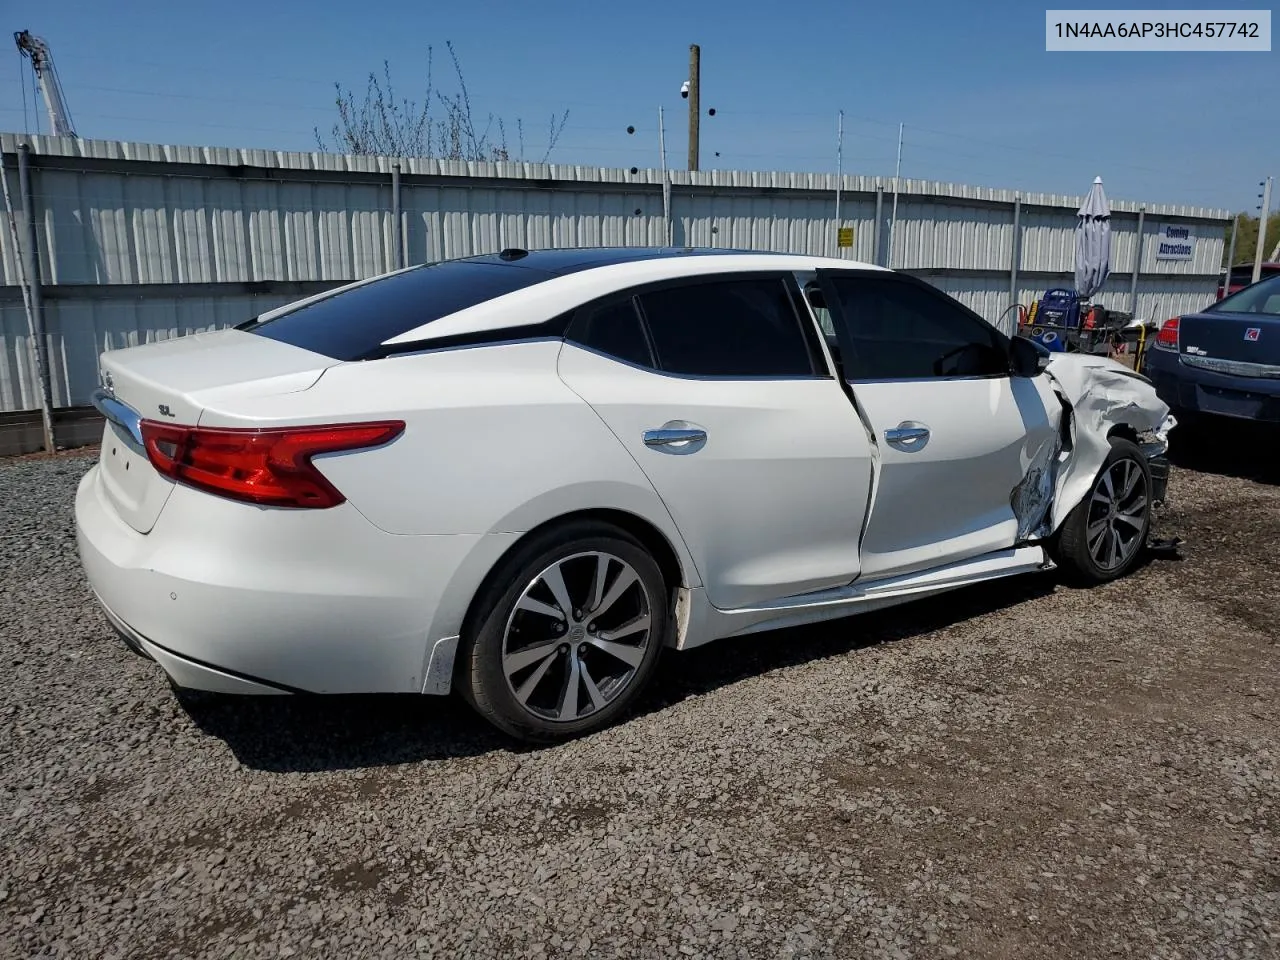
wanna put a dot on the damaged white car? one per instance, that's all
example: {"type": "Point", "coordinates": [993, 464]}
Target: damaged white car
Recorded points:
{"type": "Point", "coordinates": [521, 476]}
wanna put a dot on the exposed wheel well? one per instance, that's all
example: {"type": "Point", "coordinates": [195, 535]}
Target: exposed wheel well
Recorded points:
{"type": "Point", "coordinates": [653, 540]}
{"type": "Point", "coordinates": [1124, 431]}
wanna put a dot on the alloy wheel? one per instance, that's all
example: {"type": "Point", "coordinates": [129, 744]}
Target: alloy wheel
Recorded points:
{"type": "Point", "coordinates": [1117, 514]}
{"type": "Point", "coordinates": [577, 636]}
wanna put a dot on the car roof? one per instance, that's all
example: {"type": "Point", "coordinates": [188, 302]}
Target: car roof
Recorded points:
{"type": "Point", "coordinates": [577, 275]}
{"type": "Point", "coordinates": [562, 260]}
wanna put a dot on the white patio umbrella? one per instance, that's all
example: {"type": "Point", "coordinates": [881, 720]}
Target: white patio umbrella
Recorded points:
{"type": "Point", "coordinates": [1093, 242]}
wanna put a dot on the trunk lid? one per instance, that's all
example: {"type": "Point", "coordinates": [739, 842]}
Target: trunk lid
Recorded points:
{"type": "Point", "coordinates": [170, 382]}
{"type": "Point", "coordinates": [1239, 344]}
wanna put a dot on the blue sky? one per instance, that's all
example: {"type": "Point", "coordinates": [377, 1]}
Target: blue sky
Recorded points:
{"type": "Point", "coordinates": [982, 101]}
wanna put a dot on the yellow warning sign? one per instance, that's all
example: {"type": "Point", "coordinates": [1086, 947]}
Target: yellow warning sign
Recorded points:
{"type": "Point", "coordinates": [844, 237]}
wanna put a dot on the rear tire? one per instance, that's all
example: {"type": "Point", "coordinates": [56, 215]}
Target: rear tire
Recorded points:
{"type": "Point", "coordinates": [543, 673]}
{"type": "Point", "coordinates": [1102, 539]}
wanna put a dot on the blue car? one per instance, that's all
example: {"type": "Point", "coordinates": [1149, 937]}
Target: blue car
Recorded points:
{"type": "Point", "coordinates": [1225, 360]}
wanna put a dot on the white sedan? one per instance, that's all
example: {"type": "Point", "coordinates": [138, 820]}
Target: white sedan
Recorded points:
{"type": "Point", "coordinates": [521, 475]}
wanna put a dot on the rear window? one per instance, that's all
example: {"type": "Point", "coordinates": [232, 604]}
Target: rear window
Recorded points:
{"type": "Point", "coordinates": [1262, 297]}
{"type": "Point", "coordinates": [353, 325]}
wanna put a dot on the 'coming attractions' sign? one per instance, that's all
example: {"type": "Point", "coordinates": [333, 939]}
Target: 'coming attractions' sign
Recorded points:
{"type": "Point", "coordinates": [1175, 241]}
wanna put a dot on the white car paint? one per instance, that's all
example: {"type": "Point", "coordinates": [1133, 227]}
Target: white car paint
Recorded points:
{"type": "Point", "coordinates": [1102, 392]}
{"type": "Point", "coordinates": [948, 500]}
{"type": "Point", "coordinates": [772, 504]}
{"type": "Point", "coordinates": [767, 521]}
{"type": "Point", "coordinates": [316, 600]}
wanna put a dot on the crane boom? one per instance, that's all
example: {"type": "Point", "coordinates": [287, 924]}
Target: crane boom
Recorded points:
{"type": "Point", "coordinates": [47, 78]}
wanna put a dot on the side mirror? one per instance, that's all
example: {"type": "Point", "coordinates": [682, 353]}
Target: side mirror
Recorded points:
{"type": "Point", "coordinates": [1027, 358]}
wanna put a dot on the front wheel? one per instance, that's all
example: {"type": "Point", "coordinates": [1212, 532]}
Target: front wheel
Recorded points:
{"type": "Point", "coordinates": [1102, 538]}
{"type": "Point", "coordinates": [567, 635]}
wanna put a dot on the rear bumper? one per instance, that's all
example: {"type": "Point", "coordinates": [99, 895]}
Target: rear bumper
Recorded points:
{"type": "Point", "coordinates": [1203, 391]}
{"type": "Point", "coordinates": [240, 599]}
{"type": "Point", "coordinates": [185, 672]}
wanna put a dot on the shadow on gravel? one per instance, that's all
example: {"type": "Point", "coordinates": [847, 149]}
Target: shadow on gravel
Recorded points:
{"type": "Point", "coordinates": [312, 734]}
{"type": "Point", "coordinates": [1232, 448]}
{"type": "Point", "coordinates": [719, 664]}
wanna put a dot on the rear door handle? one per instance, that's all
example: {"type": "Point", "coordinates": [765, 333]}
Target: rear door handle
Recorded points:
{"type": "Point", "coordinates": [907, 435]}
{"type": "Point", "coordinates": [674, 438]}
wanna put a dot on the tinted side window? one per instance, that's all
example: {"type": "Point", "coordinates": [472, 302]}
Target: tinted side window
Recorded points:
{"type": "Point", "coordinates": [351, 325]}
{"type": "Point", "coordinates": [900, 331]}
{"type": "Point", "coordinates": [727, 328]}
{"type": "Point", "coordinates": [614, 329]}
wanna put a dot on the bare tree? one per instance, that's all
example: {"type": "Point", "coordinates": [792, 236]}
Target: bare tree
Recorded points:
{"type": "Point", "coordinates": [381, 124]}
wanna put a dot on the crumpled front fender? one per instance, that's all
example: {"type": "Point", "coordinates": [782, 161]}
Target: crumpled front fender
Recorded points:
{"type": "Point", "coordinates": [1098, 394]}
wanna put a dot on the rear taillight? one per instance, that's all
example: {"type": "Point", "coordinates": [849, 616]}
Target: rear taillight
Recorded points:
{"type": "Point", "coordinates": [1167, 338]}
{"type": "Point", "coordinates": [271, 467]}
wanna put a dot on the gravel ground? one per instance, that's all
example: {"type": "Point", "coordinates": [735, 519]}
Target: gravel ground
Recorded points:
{"type": "Point", "coordinates": [1017, 770]}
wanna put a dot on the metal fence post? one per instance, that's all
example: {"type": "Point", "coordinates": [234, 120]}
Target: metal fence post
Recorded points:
{"type": "Point", "coordinates": [31, 261]}
{"type": "Point", "coordinates": [877, 254]}
{"type": "Point", "coordinates": [1015, 256]}
{"type": "Point", "coordinates": [1137, 263]}
{"type": "Point", "coordinates": [668, 236]}
{"type": "Point", "coordinates": [397, 243]}
{"type": "Point", "coordinates": [1231, 252]}
{"type": "Point", "coordinates": [839, 176]}
{"type": "Point", "coordinates": [1262, 230]}
{"type": "Point", "coordinates": [668, 226]}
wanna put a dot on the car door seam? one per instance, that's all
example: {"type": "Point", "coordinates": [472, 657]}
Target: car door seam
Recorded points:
{"type": "Point", "coordinates": [852, 397]}
{"type": "Point", "coordinates": [647, 479]}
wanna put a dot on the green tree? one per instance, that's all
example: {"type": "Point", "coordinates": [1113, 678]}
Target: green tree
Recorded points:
{"type": "Point", "coordinates": [1247, 238]}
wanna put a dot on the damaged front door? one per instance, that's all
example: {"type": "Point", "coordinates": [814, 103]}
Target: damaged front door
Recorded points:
{"type": "Point", "coordinates": [955, 432]}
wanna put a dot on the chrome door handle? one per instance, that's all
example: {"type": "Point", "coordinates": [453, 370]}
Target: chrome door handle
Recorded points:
{"type": "Point", "coordinates": [674, 436]}
{"type": "Point", "coordinates": [907, 435]}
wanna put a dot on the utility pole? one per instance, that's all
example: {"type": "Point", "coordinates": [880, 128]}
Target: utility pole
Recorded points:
{"type": "Point", "coordinates": [695, 56]}
{"type": "Point", "coordinates": [1262, 229]}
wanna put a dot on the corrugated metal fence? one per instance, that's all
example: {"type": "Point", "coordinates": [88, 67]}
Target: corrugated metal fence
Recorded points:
{"type": "Point", "coordinates": [140, 242]}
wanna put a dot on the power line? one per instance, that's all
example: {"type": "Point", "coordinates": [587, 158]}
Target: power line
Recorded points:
{"type": "Point", "coordinates": [202, 124]}
{"type": "Point", "coordinates": [1034, 151]}
{"type": "Point", "coordinates": [311, 105]}
{"type": "Point", "coordinates": [726, 116]}
{"type": "Point", "coordinates": [186, 70]}
{"type": "Point", "coordinates": [621, 149]}
{"type": "Point", "coordinates": [946, 174]}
